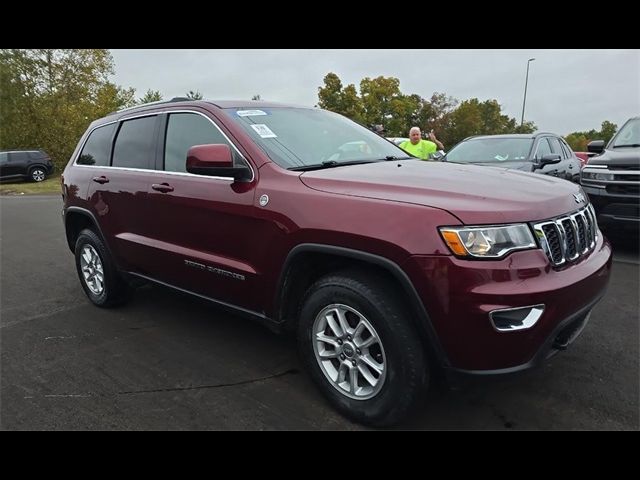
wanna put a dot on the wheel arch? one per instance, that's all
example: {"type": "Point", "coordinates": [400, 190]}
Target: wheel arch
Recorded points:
{"type": "Point", "coordinates": [75, 220]}
{"type": "Point", "coordinates": [307, 262]}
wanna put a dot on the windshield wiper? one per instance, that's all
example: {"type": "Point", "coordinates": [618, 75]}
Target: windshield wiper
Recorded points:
{"type": "Point", "coordinates": [389, 158]}
{"type": "Point", "coordinates": [329, 164]}
{"type": "Point", "coordinates": [628, 145]}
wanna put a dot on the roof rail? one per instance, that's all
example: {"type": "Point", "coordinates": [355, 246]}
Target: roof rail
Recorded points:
{"type": "Point", "coordinates": [174, 99]}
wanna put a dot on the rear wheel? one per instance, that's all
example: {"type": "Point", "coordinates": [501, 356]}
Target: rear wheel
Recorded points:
{"type": "Point", "coordinates": [361, 349]}
{"type": "Point", "coordinates": [37, 174]}
{"type": "Point", "coordinates": [98, 276]}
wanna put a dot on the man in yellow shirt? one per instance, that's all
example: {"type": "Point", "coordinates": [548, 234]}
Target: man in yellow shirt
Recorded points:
{"type": "Point", "coordinates": [421, 148]}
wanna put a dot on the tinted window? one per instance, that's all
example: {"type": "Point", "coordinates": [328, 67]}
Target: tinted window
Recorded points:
{"type": "Point", "coordinates": [37, 155]}
{"type": "Point", "coordinates": [18, 156]}
{"type": "Point", "coordinates": [97, 149]}
{"type": "Point", "coordinates": [3, 158]}
{"type": "Point", "coordinates": [543, 149]}
{"type": "Point", "coordinates": [134, 146]}
{"type": "Point", "coordinates": [491, 149]}
{"type": "Point", "coordinates": [185, 130]}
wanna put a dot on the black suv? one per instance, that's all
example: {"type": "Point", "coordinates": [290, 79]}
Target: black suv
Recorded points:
{"type": "Point", "coordinates": [542, 152]}
{"type": "Point", "coordinates": [612, 179]}
{"type": "Point", "coordinates": [34, 165]}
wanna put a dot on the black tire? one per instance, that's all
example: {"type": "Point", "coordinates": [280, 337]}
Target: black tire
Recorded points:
{"type": "Point", "coordinates": [405, 360]}
{"type": "Point", "coordinates": [115, 290]}
{"type": "Point", "coordinates": [37, 174]}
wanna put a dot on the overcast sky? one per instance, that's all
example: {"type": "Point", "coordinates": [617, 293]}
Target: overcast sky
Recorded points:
{"type": "Point", "coordinates": [569, 90]}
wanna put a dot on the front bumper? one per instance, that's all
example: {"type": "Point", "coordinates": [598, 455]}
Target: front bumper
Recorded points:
{"type": "Point", "coordinates": [614, 208]}
{"type": "Point", "coordinates": [460, 294]}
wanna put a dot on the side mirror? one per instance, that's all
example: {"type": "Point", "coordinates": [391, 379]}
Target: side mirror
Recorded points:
{"type": "Point", "coordinates": [215, 160]}
{"type": "Point", "coordinates": [437, 156]}
{"type": "Point", "coordinates": [549, 159]}
{"type": "Point", "coordinates": [596, 146]}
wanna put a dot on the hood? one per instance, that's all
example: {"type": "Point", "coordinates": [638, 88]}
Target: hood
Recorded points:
{"type": "Point", "coordinates": [474, 194]}
{"type": "Point", "coordinates": [623, 157]}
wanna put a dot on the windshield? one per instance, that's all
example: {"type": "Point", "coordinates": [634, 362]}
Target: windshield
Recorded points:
{"type": "Point", "coordinates": [486, 150]}
{"type": "Point", "coordinates": [299, 137]}
{"type": "Point", "coordinates": [629, 134]}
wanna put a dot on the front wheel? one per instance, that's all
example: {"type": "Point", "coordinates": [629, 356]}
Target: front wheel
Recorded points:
{"type": "Point", "coordinates": [361, 349]}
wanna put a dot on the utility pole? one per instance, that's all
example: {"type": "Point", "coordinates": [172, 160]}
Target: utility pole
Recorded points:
{"type": "Point", "coordinates": [525, 90]}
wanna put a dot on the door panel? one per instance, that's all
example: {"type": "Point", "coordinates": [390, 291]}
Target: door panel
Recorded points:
{"type": "Point", "coordinates": [118, 193]}
{"type": "Point", "coordinates": [201, 232]}
{"type": "Point", "coordinates": [120, 205]}
{"type": "Point", "coordinates": [16, 165]}
{"type": "Point", "coordinates": [201, 226]}
{"type": "Point", "coordinates": [562, 167]}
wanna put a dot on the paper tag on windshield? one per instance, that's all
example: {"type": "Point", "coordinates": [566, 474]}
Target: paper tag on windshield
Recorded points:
{"type": "Point", "coordinates": [264, 131]}
{"type": "Point", "coordinates": [250, 113]}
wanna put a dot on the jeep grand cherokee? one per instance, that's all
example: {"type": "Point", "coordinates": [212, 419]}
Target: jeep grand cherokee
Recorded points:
{"type": "Point", "coordinates": [388, 268]}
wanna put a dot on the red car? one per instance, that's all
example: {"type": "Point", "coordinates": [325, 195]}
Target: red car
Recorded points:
{"type": "Point", "coordinates": [584, 157]}
{"type": "Point", "coordinates": [389, 268]}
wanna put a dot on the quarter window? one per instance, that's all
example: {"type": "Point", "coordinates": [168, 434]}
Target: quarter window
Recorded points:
{"type": "Point", "coordinates": [185, 130]}
{"type": "Point", "coordinates": [134, 144]}
{"type": "Point", "coordinates": [97, 148]}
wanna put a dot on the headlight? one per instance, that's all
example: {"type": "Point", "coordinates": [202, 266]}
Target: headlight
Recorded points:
{"type": "Point", "coordinates": [605, 177]}
{"type": "Point", "coordinates": [488, 242]}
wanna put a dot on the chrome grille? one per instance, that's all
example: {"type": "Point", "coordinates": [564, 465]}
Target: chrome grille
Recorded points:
{"type": "Point", "coordinates": [569, 237]}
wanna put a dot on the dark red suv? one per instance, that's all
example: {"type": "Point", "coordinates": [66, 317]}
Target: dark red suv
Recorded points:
{"type": "Point", "coordinates": [389, 268]}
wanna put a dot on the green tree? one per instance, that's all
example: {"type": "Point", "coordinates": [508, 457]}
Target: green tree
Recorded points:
{"type": "Point", "coordinates": [435, 114]}
{"type": "Point", "coordinates": [345, 101]}
{"type": "Point", "coordinates": [607, 131]}
{"type": "Point", "coordinates": [194, 95]}
{"type": "Point", "coordinates": [377, 96]}
{"type": "Point", "coordinates": [151, 96]}
{"type": "Point", "coordinates": [473, 117]}
{"type": "Point", "coordinates": [578, 140]}
{"type": "Point", "coordinates": [384, 103]}
{"type": "Point", "coordinates": [330, 95]}
{"type": "Point", "coordinates": [351, 104]}
{"type": "Point", "coordinates": [48, 97]}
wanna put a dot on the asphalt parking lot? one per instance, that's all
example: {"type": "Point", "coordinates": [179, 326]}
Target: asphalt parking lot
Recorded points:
{"type": "Point", "coordinates": [166, 361]}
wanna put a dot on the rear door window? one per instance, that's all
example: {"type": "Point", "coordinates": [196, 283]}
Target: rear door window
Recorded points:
{"type": "Point", "coordinates": [135, 143]}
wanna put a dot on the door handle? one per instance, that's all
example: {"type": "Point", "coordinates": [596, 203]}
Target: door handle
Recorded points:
{"type": "Point", "coordinates": [101, 179]}
{"type": "Point", "coordinates": [162, 187]}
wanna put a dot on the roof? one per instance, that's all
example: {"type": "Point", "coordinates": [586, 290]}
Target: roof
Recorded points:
{"type": "Point", "coordinates": [253, 104]}
{"type": "Point", "coordinates": [511, 135]}
{"type": "Point", "coordinates": [39, 150]}
{"type": "Point", "coordinates": [218, 103]}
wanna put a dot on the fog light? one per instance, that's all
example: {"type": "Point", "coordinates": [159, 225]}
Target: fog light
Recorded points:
{"type": "Point", "coordinates": [511, 319]}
